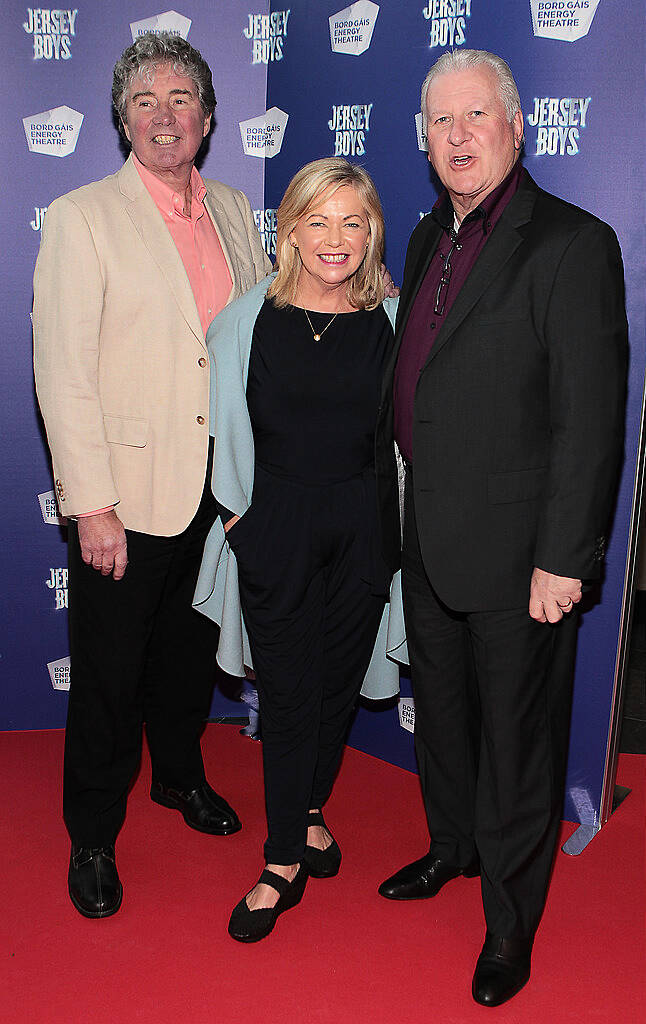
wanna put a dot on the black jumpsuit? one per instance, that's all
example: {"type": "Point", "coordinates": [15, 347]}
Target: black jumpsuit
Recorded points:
{"type": "Point", "coordinates": [313, 582]}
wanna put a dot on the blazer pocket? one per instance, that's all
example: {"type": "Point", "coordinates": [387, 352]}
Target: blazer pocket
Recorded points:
{"type": "Point", "coordinates": [522, 485]}
{"type": "Point", "coordinates": [129, 430]}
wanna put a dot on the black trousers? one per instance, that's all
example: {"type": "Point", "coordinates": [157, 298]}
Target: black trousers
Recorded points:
{"type": "Point", "coordinates": [139, 653]}
{"type": "Point", "coordinates": [492, 710]}
{"type": "Point", "coordinates": [312, 621]}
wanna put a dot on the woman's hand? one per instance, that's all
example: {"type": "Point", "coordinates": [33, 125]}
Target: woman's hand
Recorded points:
{"type": "Point", "coordinates": [231, 522]}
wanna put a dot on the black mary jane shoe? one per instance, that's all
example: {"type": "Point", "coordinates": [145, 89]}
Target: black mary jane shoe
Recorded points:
{"type": "Point", "coordinates": [93, 881]}
{"type": "Point", "coordinates": [322, 863]}
{"type": "Point", "coordinates": [202, 809]}
{"type": "Point", "coordinates": [503, 968]}
{"type": "Point", "coordinates": [248, 925]}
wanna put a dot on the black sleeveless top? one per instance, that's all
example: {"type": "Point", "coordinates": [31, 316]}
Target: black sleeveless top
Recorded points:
{"type": "Point", "coordinates": [313, 404]}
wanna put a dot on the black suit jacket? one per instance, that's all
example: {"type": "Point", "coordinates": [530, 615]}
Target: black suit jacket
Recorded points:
{"type": "Point", "coordinates": [518, 415]}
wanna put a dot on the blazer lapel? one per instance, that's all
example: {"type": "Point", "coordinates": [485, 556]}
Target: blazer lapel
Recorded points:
{"type": "Point", "coordinates": [150, 226]}
{"type": "Point", "coordinates": [429, 245]}
{"type": "Point", "coordinates": [418, 275]}
{"type": "Point", "coordinates": [218, 215]}
{"type": "Point", "coordinates": [506, 237]}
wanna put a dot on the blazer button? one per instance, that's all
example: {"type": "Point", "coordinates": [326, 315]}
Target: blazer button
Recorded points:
{"type": "Point", "coordinates": [201, 361]}
{"type": "Point", "coordinates": [200, 420]}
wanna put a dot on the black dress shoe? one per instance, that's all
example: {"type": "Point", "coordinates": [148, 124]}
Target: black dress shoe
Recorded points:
{"type": "Point", "coordinates": [252, 925]}
{"type": "Point", "coordinates": [502, 969]}
{"type": "Point", "coordinates": [321, 863]}
{"type": "Point", "coordinates": [202, 808]}
{"type": "Point", "coordinates": [93, 881]}
{"type": "Point", "coordinates": [424, 878]}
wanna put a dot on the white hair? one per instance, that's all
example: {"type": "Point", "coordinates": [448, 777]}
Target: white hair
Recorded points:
{"type": "Point", "coordinates": [463, 60]}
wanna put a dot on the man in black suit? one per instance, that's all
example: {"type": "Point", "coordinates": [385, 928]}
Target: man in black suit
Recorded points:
{"type": "Point", "coordinates": [506, 397]}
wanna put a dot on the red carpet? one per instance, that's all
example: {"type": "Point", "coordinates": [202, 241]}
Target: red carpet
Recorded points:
{"type": "Point", "coordinates": [343, 955]}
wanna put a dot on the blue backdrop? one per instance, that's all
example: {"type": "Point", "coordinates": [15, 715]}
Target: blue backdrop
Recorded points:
{"type": "Point", "coordinates": [294, 84]}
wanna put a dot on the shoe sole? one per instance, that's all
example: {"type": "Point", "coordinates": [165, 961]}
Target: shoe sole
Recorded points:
{"type": "Point", "coordinates": [321, 874]}
{"type": "Point", "coordinates": [408, 899]}
{"type": "Point", "coordinates": [293, 902]}
{"type": "Point", "coordinates": [248, 939]}
{"type": "Point", "coordinates": [96, 913]}
{"type": "Point", "coordinates": [173, 806]}
{"type": "Point", "coordinates": [499, 1002]}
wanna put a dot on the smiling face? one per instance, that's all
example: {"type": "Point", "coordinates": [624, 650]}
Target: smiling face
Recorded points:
{"type": "Point", "coordinates": [165, 123]}
{"type": "Point", "coordinates": [471, 143]}
{"type": "Point", "coordinates": [331, 238]}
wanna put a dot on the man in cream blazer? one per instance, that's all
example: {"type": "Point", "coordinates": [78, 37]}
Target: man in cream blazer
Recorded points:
{"type": "Point", "coordinates": [130, 272]}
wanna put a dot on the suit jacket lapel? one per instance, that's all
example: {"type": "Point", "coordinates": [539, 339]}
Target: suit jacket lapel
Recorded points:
{"type": "Point", "coordinates": [423, 262]}
{"type": "Point", "coordinates": [428, 247]}
{"type": "Point", "coordinates": [220, 220]}
{"type": "Point", "coordinates": [505, 239]}
{"type": "Point", "coordinates": [150, 226]}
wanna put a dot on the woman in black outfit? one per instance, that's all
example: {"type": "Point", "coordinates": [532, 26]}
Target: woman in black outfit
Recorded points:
{"type": "Point", "coordinates": [313, 582]}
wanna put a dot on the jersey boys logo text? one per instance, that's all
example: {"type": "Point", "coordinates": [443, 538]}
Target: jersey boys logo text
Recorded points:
{"type": "Point", "coordinates": [448, 21]}
{"type": "Point", "coordinates": [39, 216]}
{"type": "Point", "coordinates": [558, 121]}
{"type": "Point", "coordinates": [350, 125]}
{"type": "Point", "coordinates": [57, 582]}
{"type": "Point", "coordinates": [266, 224]}
{"type": "Point", "coordinates": [267, 33]}
{"type": "Point", "coordinates": [52, 32]}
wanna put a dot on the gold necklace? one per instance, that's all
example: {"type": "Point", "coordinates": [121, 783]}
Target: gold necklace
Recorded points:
{"type": "Point", "coordinates": [317, 337]}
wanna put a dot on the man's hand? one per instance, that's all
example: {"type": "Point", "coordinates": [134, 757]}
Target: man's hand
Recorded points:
{"type": "Point", "coordinates": [551, 597]}
{"type": "Point", "coordinates": [103, 543]}
{"type": "Point", "coordinates": [231, 522]}
{"type": "Point", "coordinates": [391, 291]}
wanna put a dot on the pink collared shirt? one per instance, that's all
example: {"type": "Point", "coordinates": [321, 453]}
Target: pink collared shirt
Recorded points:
{"type": "Point", "coordinates": [196, 240]}
{"type": "Point", "coordinates": [198, 246]}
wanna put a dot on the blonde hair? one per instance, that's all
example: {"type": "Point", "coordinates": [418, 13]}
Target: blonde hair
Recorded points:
{"type": "Point", "coordinates": [365, 288]}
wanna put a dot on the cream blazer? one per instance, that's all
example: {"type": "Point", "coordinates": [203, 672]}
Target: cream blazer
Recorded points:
{"type": "Point", "coordinates": [121, 366]}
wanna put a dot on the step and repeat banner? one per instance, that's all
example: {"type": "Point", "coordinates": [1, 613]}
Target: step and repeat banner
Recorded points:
{"type": "Point", "coordinates": [295, 83]}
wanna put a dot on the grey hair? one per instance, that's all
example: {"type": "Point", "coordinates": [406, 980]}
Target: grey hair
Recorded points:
{"type": "Point", "coordinates": [149, 51]}
{"type": "Point", "coordinates": [463, 60]}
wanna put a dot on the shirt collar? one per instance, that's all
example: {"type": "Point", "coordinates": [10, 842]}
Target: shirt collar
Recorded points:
{"type": "Point", "coordinates": [167, 200]}
{"type": "Point", "coordinates": [489, 210]}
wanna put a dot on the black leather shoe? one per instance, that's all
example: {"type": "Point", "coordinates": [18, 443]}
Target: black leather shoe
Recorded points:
{"type": "Point", "coordinates": [252, 925]}
{"type": "Point", "coordinates": [424, 878]}
{"type": "Point", "coordinates": [322, 863]}
{"type": "Point", "coordinates": [502, 969]}
{"type": "Point", "coordinates": [202, 809]}
{"type": "Point", "coordinates": [93, 881]}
